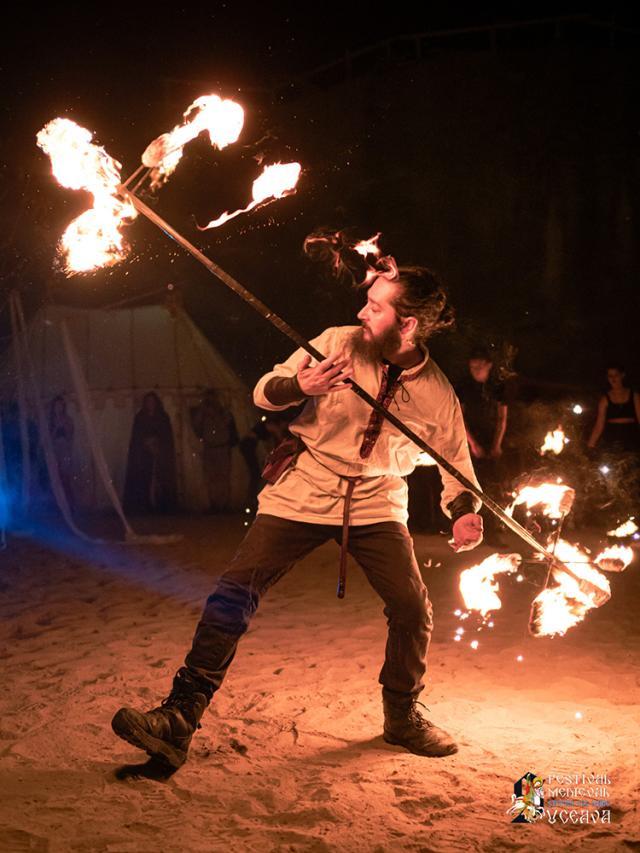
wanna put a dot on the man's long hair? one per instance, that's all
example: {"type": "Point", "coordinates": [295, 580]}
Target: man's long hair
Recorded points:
{"type": "Point", "coordinates": [423, 296]}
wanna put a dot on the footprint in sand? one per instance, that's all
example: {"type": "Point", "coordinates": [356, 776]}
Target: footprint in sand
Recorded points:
{"type": "Point", "coordinates": [17, 841]}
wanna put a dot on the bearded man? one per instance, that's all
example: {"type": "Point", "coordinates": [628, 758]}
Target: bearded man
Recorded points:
{"type": "Point", "coordinates": [345, 480]}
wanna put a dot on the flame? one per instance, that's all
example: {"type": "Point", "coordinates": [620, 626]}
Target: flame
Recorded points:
{"type": "Point", "coordinates": [221, 119]}
{"type": "Point", "coordinates": [554, 442]}
{"type": "Point", "coordinates": [369, 247]}
{"type": "Point", "coordinates": [615, 558]}
{"type": "Point", "coordinates": [477, 584]}
{"type": "Point", "coordinates": [94, 239]}
{"type": "Point", "coordinates": [627, 529]}
{"type": "Point", "coordinates": [276, 181]}
{"type": "Point", "coordinates": [425, 460]}
{"type": "Point", "coordinates": [559, 608]}
{"type": "Point", "coordinates": [555, 499]}
{"type": "Point", "coordinates": [338, 249]}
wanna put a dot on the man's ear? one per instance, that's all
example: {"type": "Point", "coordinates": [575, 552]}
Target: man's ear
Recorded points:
{"type": "Point", "coordinates": [408, 325]}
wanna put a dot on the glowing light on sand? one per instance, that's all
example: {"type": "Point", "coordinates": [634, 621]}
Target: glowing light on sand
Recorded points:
{"type": "Point", "coordinates": [474, 644]}
{"type": "Point", "coordinates": [94, 239]}
{"type": "Point", "coordinates": [221, 119]}
{"type": "Point", "coordinates": [478, 586]}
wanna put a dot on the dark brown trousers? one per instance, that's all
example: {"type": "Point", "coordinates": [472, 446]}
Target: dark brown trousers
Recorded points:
{"type": "Point", "coordinates": [271, 547]}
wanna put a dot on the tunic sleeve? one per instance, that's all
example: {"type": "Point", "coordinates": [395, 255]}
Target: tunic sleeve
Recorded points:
{"type": "Point", "coordinates": [455, 449]}
{"type": "Point", "coordinates": [289, 369]}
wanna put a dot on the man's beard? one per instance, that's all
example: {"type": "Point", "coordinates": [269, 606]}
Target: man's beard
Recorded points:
{"type": "Point", "coordinates": [373, 350]}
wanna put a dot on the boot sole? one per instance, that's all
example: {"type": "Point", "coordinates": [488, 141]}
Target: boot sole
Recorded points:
{"type": "Point", "coordinates": [435, 753]}
{"type": "Point", "coordinates": [127, 729]}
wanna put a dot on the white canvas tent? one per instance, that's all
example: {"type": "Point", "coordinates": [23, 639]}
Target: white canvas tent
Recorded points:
{"type": "Point", "coordinates": [123, 354]}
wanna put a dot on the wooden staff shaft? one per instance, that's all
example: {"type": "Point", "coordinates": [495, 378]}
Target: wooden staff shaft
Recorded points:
{"type": "Point", "coordinates": [300, 341]}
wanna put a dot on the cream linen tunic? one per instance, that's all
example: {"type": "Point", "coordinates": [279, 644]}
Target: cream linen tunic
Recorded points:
{"type": "Point", "coordinates": [332, 427]}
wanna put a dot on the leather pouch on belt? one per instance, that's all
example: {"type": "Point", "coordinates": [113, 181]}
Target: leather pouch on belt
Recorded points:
{"type": "Point", "coordinates": [282, 457]}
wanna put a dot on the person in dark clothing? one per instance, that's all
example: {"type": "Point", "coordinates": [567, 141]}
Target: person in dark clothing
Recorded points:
{"type": "Point", "coordinates": [150, 483]}
{"type": "Point", "coordinates": [216, 428]}
{"type": "Point", "coordinates": [618, 420]}
{"type": "Point", "coordinates": [485, 417]}
{"type": "Point", "coordinates": [61, 430]}
{"type": "Point", "coordinates": [615, 440]}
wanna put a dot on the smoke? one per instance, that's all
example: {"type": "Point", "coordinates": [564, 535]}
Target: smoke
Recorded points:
{"type": "Point", "coordinates": [348, 258]}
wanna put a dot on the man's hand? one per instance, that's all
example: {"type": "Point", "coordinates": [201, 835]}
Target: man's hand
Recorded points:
{"type": "Point", "coordinates": [467, 532]}
{"type": "Point", "coordinates": [326, 376]}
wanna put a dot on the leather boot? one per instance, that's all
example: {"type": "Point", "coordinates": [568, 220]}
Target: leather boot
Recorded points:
{"type": "Point", "coordinates": [165, 732]}
{"type": "Point", "coordinates": [405, 726]}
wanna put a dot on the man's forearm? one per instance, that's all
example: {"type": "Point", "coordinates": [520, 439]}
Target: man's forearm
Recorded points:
{"type": "Point", "coordinates": [283, 391]}
{"type": "Point", "coordinates": [461, 505]}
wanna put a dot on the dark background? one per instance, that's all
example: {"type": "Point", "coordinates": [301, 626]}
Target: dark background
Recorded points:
{"type": "Point", "coordinates": [497, 145]}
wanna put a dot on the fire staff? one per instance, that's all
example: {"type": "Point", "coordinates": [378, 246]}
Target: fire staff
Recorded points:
{"type": "Point", "coordinates": [341, 475]}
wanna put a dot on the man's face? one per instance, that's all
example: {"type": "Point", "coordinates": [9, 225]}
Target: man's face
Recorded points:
{"type": "Point", "coordinates": [380, 325]}
{"type": "Point", "coordinates": [480, 369]}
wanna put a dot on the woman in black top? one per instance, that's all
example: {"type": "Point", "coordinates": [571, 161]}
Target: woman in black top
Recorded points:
{"type": "Point", "coordinates": [618, 420]}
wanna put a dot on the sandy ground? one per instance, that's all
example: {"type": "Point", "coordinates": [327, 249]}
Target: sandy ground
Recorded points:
{"type": "Point", "coordinates": [290, 756]}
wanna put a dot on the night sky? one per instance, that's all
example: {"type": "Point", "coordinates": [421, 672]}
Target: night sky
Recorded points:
{"type": "Point", "coordinates": [512, 168]}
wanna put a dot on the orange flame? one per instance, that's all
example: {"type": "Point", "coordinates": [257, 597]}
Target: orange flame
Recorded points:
{"type": "Point", "coordinates": [559, 608]}
{"type": "Point", "coordinates": [478, 586]}
{"type": "Point", "coordinates": [221, 119]}
{"type": "Point", "coordinates": [554, 499]}
{"type": "Point", "coordinates": [94, 239]}
{"type": "Point", "coordinates": [554, 442]}
{"type": "Point", "coordinates": [615, 558]}
{"type": "Point", "coordinates": [369, 247]}
{"type": "Point", "coordinates": [276, 181]}
{"type": "Point", "coordinates": [385, 267]}
{"type": "Point", "coordinates": [627, 529]}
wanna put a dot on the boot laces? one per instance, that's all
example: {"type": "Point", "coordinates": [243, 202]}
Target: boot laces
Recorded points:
{"type": "Point", "coordinates": [183, 702]}
{"type": "Point", "coordinates": [416, 717]}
